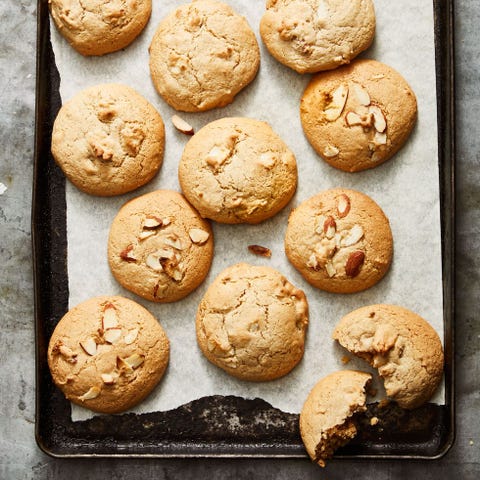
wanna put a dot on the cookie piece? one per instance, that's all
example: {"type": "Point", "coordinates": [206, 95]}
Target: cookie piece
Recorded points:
{"type": "Point", "coordinates": [202, 55]}
{"type": "Point", "coordinates": [107, 354]}
{"type": "Point", "coordinates": [159, 247]}
{"type": "Point", "coordinates": [314, 35]}
{"type": "Point", "coordinates": [326, 421]}
{"type": "Point", "coordinates": [340, 241]}
{"type": "Point", "coordinates": [358, 116]}
{"type": "Point", "coordinates": [402, 345]}
{"type": "Point", "coordinates": [237, 170]}
{"type": "Point", "coordinates": [98, 27]}
{"type": "Point", "coordinates": [108, 140]}
{"type": "Point", "coordinates": [252, 323]}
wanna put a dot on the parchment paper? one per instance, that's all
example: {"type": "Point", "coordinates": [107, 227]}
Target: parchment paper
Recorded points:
{"type": "Point", "coordinates": [406, 187]}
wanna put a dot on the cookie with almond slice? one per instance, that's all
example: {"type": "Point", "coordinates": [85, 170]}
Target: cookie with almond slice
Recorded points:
{"type": "Point", "coordinates": [340, 241]}
{"type": "Point", "coordinates": [107, 354]}
{"type": "Point", "coordinates": [358, 116]}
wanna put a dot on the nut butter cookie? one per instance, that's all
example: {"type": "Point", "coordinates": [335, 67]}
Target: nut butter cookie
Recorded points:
{"type": "Point", "coordinates": [340, 241]}
{"type": "Point", "coordinates": [108, 140]}
{"type": "Point", "coordinates": [107, 354]}
{"type": "Point", "coordinates": [326, 421]}
{"type": "Point", "coordinates": [202, 55]}
{"type": "Point", "coordinates": [314, 35]}
{"type": "Point", "coordinates": [97, 27]}
{"type": "Point", "coordinates": [402, 345]}
{"type": "Point", "coordinates": [159, 247]}
{"type": "Point", "coordinates": [237, 170]}
{"type": "Point", "coordinates": [358, 116]}
{"type": "Point", "coordinates": [252, 323]}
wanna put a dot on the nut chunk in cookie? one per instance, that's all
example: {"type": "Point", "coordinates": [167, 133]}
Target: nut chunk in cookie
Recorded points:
{"type": "Point", "coordinates": [107, 354]}
{"type": "Point", "coordinates": [340, 241]}
{"type": "Point", "coordinates": [327, 417]}
{"type": "Point", "coordinates": [159, 247]}
{"type": "Point", "coordinates": [403, 346]}
{"type": "Point", "coordinates": [252, 323]}
{"type": "Point", "coordinates": [108, 140]}
{"type": "Point", "coordinates": [202, 55]}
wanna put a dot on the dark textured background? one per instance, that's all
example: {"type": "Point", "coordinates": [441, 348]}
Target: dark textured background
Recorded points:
{"type": "Point", "coordinates": [19, 456]}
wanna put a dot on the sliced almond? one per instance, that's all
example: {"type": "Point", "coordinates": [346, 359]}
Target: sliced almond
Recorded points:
{"type": "Point", "coordinates": [331, 151]}
{"type": "Point", "coordinates": [146, 234]}
{"type": "Point", "coordinates": [379, 120]}
{"type": "Point", "coordinates": [336, 106]}
{"type": "Point", "coordinates": [329, 227]}
{"type": "Point", "coordinates": [135, 360]}
{"type": "Point", "coordinates": [164, 253]}
{"type": "Point", "coordinates": [320, 223]}
{"type": "Point", "coordinates": [312, 262]}
{"type": "Point", "coordinates": [259, 250]}
{"type": "Point", "coordinates": [177, 275]}
{"type": "Point", "coordinates": [90, 346]}
{"type": "Point", "coordinates": [267, 160]}
{"type": "Point", "coordinates": [182, 126]}
{"type": "Point", "coordinates": [362, 95]}
{"type": "Point", "coordinates": [108, 378]}
{"type": "Point", "coordinates": [131, 336]}
{"type": "Point", "coordinates": [166, 221]}
{"type": "Point", "coordinates": [353, 119]}
{"type": "Point", "coordinates": [217, 156]}
{"type": "Point", "coordinates": [152, 223]}
{"type": "Point", "coordinates": [354, 235]}
{"type": "Point", "coordinates": [153, 261]}
{"type": "Point", "coordinates": [198, 236]}
{"type": "Point", "coordinates": [110, 317]}
{"type": "Point", "coordinates": [173, 242]}
{"type": "Point", "coordinates": [343, 205]}
{"type": "Point", "coordinates": [123, 366]}
{"type": "Point", "coordinates": [354, 263]}
{"type": "Point", "coordinates": [127, 254]}
{"type": "Point", "coordinates": [380, 138]}
{"type": "Point", "coordinates": [112, 335]}
{"type": "Point", "coordinates": [94, 392]}
{"type": "Point", "coordinates": [67, 353]}
{"type": "Point", "coordinates": [329, 267]}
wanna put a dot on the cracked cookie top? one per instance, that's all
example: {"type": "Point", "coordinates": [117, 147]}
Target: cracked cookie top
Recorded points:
{"type": "Point", "coordinates": [202, 55]}
{"type": "Point", "coordinates": [314, 35]}
{"type": "Point", "coordinates": [97, 27]}
{"type": "Point", "coordinates": [252, 323]}
{"type": "Point", "coordinates": [403, 346]}
{"type": "Point", "coordinates": [340, 241]}
{"type": "Point", "coordinates": [108, 140]}
{"type": "Point", "coordinates": [326, 421]}
{"type": "Point", "coordinates": [237, 170]}
{"type": "Point", "coordinates": [107, 354]}
{"type": "Point", "coordinates": [159, 247]}
{"type": "Point", "coordinates": [358, 116]}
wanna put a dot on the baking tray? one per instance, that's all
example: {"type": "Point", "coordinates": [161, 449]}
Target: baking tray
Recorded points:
{"type": "Point", "coordinates": [203, 428]}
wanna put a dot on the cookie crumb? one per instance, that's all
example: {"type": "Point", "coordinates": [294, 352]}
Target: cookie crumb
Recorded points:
{"type": "Point", "coordinates": [259, 250]}
{"type": "Point", "coordinates": [374, 421]}
{"type": "Point", "coordinates": [345, 360]}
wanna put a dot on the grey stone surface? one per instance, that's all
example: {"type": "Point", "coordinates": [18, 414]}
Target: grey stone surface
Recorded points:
{"type": "Point", "coordinates": [19, 456]}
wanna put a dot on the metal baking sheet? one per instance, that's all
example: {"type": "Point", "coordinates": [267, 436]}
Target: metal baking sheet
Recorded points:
{"type": "Point", "coordinates": [204, 427]}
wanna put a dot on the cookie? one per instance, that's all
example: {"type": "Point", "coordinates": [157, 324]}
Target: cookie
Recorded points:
{"type": "Point", "coordinates": [108, 140]}
{"type": "Point", "coordinates": [98, 27]}
{"type": "Point", "coordinates": [202, 55]}
{"type": "Point", "coordinates": [237, 170]}
{"type": "Point", "coordinates": [107, 354]}
{"type": "Point", "coordinates": [358, 116]}
{"type": "Point", "coordinates": [314, 35]}
{"type": "Point", "coordinates": [340, 241]}
{"type": "Point", "coordinates": [326, 421]}
{"type": "Point", "coordinates": [159, 247]}
{"type": "Point", "coordinates": [252, 323]}
{"type": "Point", "coordinates": [402, 345]}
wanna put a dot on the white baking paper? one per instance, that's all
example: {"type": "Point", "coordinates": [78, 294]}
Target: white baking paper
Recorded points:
{"type": "Point", "coordinates": [406, 187]}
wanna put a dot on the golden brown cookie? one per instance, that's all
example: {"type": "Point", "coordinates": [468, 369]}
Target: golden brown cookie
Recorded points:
{"type": "Point", "coordinates": [326, 418]}
{"type": "Point", "coordinates": [96, 27]}
{"type": "Point", "coordinates": [313, 35]}
{"type": "Point", "coordinates": [340, 241]}
{"type": "Point", "coordinates": [358, 116]}
{"type": "Point", "coordinates": [107, 354]}
{"type": "Point", "coordinates": [202, 55]}
{"type": "Point", "coordinates": [159, 247]}
{"type": "Point", "coordinates": [402, 345]}
{"type": "Point", "coordinates": [252, 323]}
{"type": "Point", "coordinates": [108, 140]}
{"type": "Point", "coordinates": [237, 170]}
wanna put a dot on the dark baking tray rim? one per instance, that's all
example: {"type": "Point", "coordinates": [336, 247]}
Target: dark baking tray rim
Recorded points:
{"type": "Point", "coordinates": [427, 433]}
